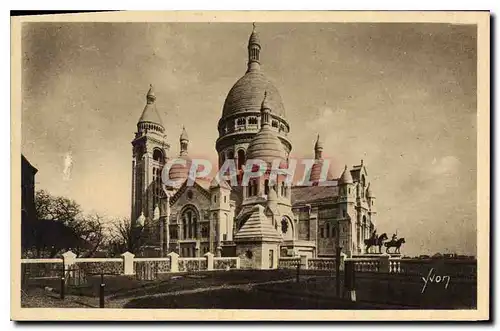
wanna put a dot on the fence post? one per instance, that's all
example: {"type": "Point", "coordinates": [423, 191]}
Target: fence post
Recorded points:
{"type": "Point", "coordinates": [304, 261]}
{"type": "Point", "coordinates": [350, 279]}
{"type": "Point", "coordinates": [337, 269]}
{"type": "Point", "coordinates": [63, 283]}
{"type": "Point", "coordinates": [101, 291]}
{"type": "Point", "coordinates": [210, 261]}
{"type": "Point", "coordinates": [343, 256]}
{"type": "Point", "coordinates": [237, 262]}
{"type": "Point", "coordinates": [384, 263]}
{"type": "Point", "coordinates": [69, 259]}
{"type": "Point", "coordinates": [128, 263]}
{"type": "Point", "coordinates": [174, 261]}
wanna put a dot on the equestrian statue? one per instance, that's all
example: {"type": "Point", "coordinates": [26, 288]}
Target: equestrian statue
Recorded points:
{"type": "Point", "coordinates": [375, 240]}
{"type": "Point", "coordinates": [395, 242]}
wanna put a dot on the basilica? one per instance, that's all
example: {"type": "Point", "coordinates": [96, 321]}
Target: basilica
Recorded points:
{"type": "Point", "coordinates": [259, 222]}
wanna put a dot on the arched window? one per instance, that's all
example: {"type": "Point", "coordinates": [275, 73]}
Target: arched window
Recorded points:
{"type": "Point", "coordinates": [158, 155]}
{"type": "Point", "coordinates": [241, 158]}
{"type": "Point", "coordinates": [189, 223]}
{"type": "Point", "coordinates": [286, 228]}
{"type": "Point", "coordinates": [230, 155]}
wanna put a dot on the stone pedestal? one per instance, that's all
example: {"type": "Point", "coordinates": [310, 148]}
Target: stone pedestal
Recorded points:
{"type": "Point", "coordinates": [128, 263]}
{"type": "Point", "coordinates": [174, 261]}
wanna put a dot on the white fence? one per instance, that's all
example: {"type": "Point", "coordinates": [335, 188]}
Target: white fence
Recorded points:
{"type": "Point", "coordinates": [128, 264]}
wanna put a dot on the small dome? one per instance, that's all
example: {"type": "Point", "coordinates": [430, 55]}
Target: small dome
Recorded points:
{"type": "Point", "coordinates": [180, 172]}
{"type": "Point", "coordinates": [254, 37]}
{"type": "Point", "coordinates": [316, 170]}
{"type": "Point", "coordinates": [247, 94]}
{"type": "Point", "coordinates": [150, 113]}
{"type": "Point", "coordinates": [266, 146]}
{"type": "Point", "coordinates": [369, 191]}
{"type": "Point", "coordinates": [346, 177]}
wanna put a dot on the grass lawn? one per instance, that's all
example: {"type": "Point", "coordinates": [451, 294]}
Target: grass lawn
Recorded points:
{"type": "Point", "coordinates": [123, 288]}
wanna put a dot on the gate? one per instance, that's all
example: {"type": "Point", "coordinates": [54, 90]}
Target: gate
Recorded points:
{"type": "Point", "coordinates": [75, 276]}
{"type": "Point", "coordinates": [147, 270]}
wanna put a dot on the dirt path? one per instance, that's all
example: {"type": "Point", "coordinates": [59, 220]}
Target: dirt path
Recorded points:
{"type": "Point", "coordinates": [120, 303]}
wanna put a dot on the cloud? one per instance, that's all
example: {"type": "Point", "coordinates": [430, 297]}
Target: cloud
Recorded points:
{"type": "Point", "coordinates": [446, 166]}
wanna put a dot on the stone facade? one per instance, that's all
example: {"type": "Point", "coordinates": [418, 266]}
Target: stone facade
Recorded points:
{"type": "Point", "coordinates": [210, 217]}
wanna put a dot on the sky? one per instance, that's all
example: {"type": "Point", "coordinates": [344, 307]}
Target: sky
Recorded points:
{"type": "Point", "coordinates": [402, 97]}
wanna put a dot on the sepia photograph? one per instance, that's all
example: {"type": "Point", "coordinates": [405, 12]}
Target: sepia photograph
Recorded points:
{"type": "Point", "coordinates": [230, 166]}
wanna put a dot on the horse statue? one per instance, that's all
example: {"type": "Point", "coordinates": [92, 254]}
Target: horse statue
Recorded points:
{"type": "Point", "coordinates": [394, 243]}
{"type": "Point", "coordinates": [376, 241]}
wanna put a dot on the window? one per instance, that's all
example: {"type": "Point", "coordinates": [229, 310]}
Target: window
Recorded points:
{"type": "Point", "coordinates": [252, 120]}
{"type": "Point", "coordinates": [328, 229]}
{"type": "Point", "coordinates": [189, 219]}
{"type": "Point", "coordinates": [174, 233]}
{"type": "Point", "coordinates": [190, 195]}
{"type": "Point", "coordinates": [204, 231]}
{"type": "Point", "coordinates": [322, 230]}
{"type": "Point", "coordinates": [284, 225]}
{"type": "Point", "coordinates": [241, 159]}
{"type": "Point", "coordinates": [274, 123]}
{"type": "Point", "coordinates": [266, 186]}
{"type": "Point", "coordinates": [241, 121]}
{"type": "Point", "coordinates": [215, 198]}
{"type": "Point", "coordinates": [224, 199]}
{"type": "Point", "coordinates": [158, 155]}
{"type": "Point", "coordinates": [343, 213]}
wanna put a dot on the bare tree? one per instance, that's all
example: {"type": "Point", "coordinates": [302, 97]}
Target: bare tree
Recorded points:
{"type": "Point", "coordinates": [61, 225]}
{"type": "Point", "coordinates": [124, 237]}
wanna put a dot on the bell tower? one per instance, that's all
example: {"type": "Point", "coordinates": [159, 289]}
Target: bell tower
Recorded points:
{"type": "Point", "coordinates": [149, 155]}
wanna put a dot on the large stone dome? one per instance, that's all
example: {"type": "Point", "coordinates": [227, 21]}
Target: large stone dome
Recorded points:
{"type": "Point", "coordinates": [246, 95]}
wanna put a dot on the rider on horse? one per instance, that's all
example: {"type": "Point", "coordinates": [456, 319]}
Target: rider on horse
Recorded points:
{"type": "Point", "coordinates": [394, 237]}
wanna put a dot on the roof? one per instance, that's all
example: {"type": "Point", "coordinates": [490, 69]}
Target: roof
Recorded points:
{"type": "Point", "coordinates": [25, 164]}
{"type": "Point", "coordinates": [247, 94]}
{"type": "Point", "coordinates": [318, 144]}
{"type": "Point", "coordinates": [307, 194]}
{"type": "Point", "coordinates": [254, 37]}
{"type": "Point", "coordinates": [150, 113]}
{"type": "Point", "coordinates": [346, 177]}
{"type": "Point", "coordinates": [179, 172]}
{"type": "Point", "coordinates": [184, 135]}
{"type": "Point", "coordinates": [316, 169]}
{"type": "Point", "coordinates": [257, 228]}
{"type": "Point", "coordinates": [219, 183]}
